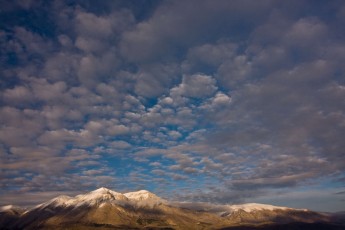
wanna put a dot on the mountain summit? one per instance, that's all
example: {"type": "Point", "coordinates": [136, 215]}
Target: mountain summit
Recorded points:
{"type": "Point", "coordinates": [107, 209]}
{"type": "Point", "coordinates": [141, 195]}
{"type": "Point", "coordinates": [96, 197]}
{"type": "Point", "coordinates": [144, 198]}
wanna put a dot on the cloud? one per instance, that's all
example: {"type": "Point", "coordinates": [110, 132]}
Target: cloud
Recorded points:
{"type": "Point", "coordinates": [31, 199]}
{"type": "Point", "coordinates": [235, 71]}
{"type": "Point", "coordinates": [89, 24]}
{"type": "Point", "coordinates": [22, 126]}
{"type": "Point", "coordinates": [45, 91]}
{"type": "Point", "coordinates": [221, 99]}
{"type": "Point", "coordinates": [283, 181]}
{"type": "Point", "coordinates": [230, 100]}
{"type": "Point", "coordinates": [210, 54]}
{"type": "Point", "coordinates": [340, 193]}
{"type": "Point", "coordinates": [174, 134]}
{"type": "Point", "coordinates": [197, 86]}
{"type": "Point", "coordinates": [154, 80]}
{"type": "Point", "coordinates": [158, 36]}
{"type": "Point", "coordinates": [18, 95]}
{"type": "Point", "coordinates": [306, 31]}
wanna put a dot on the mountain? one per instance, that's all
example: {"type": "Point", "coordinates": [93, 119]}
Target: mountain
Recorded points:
{"type": "Point", "coordinates": [107, 209]}
{"type": "Point", "coordinates": [142, 195]}
{"type": "Point", "coordinates": [9, 214]}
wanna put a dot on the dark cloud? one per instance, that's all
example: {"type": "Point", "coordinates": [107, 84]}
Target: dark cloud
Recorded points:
{"type": "Point", "coordinates": [198, 21]}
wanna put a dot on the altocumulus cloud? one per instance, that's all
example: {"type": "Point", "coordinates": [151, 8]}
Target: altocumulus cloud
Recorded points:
{"type": "Point", "coordinates": [219, 101]}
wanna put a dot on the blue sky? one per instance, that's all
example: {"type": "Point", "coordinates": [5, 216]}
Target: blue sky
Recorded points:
{"type": "Point", "coordinates": [215, 101]}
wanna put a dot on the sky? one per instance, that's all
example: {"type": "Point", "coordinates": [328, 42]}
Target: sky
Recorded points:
{"type": "Point", "coordinates": [207, 101]}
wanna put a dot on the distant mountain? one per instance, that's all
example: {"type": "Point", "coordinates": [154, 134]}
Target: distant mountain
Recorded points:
{"type": "Point", "coordinates": [107, 209]}
{"type": "Point", "coordinates": [9, 214]}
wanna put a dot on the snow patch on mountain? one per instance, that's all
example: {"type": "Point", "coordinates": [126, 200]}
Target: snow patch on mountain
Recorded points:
{"type": "Point", "coordinates": [9, 208]}
{"type": "Point", "coordinates": [144, 198]}
{"type": "Point", "coordinates": [103, 195]}
{"type": "Point", "coordinates": [59, 201]}
{"type": "Point", "coordinates": [6, 207]}
{"type": "Point", "coordinates": [97, 197]}
{"type": "Point", "coordinates": [227, 210]}
{"type": "Point", "coordinates": [249, 207]}
{"type": "Point", "coordinates": [12, 210]}
{"type": "Point", "coordinates": [141, 195]}
{"type": "Point", "coordinates": [92, 198]}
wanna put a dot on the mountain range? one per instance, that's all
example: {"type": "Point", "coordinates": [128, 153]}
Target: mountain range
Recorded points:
{"type": "Point", "coordinates": [107, 209]}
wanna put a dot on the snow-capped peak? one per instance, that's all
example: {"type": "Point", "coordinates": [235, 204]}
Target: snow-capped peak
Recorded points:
{"type": "Point", "coordinates": [102, 190]}
{"type": "Point", "coordinates": [249, 207]}
{"type": "Point", "coordinates": [12, 209]}
{"type": "Point", "coordinates": [8, 208]}
{"type": "Point", "coordinates": [141, 195]}
{"type": "Point", "coordinates": [95, 197]}
{"type": "Point", "coordinates": [144, 198]}
{"type": "Point", "coordinates": [5, 208]}
{"type": "Point", "coordinates": [103, 195]}
{"type": "Point", "coordinates": [98, 196]}
{"type": "Point", "coordinates": [56, 202]}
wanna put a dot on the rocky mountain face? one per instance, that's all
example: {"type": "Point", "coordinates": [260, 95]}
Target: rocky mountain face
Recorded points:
{"type": "Point", "coordinates": [107, 209]}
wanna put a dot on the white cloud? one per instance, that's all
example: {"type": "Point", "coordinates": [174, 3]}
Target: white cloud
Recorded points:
{"type": "Point", "coordinates": [90, 25]}
{"type": "Point", "coordinates": [306, 31]}
{"type": "Point", "coordinates": [154, 80]}
{"type": "Point", "coordinates": [120, 145]}
{"type": "Point", "coordinates": [61, 66]}
{"type": "Point", "coordinates": [167, 101]}
{"type": "Point", "coordinates": [118, 130]}
{"type": "Point", "coordinates": [87, 44]}
{"type": "Point", "coordinates": [198, 86]}
{"type": "Point", "coordinates": [64, 40]}
{"type": "Point", "coordinates": [45, 91]}
{"type": "Point", "coordinates": [175, 135]}
{"type": "Point", "coordinates": [18, 95]}
{"type": "Point", "coordinates": [210, 55]}
{"type": "Point", "coordinates": [221, 99]}
{"type": "Point", "coordinates": [59, 138]}
{"type": "Point", "coordinates": [233, 72]}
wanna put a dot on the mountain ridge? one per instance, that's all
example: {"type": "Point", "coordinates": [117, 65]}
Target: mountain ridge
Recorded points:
{"type": "Point", "coordinates": [104, 208]}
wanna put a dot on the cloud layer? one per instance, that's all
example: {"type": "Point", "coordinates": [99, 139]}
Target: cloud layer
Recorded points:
{"type": "Point", "coordinates": [199, 100]}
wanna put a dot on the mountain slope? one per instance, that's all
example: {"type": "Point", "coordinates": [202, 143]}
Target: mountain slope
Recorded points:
{"type": "Point", "coordinates": [9, 214]}
{"type": "Point", "coordinates": [107, 209]}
